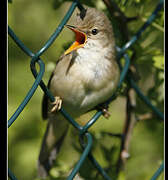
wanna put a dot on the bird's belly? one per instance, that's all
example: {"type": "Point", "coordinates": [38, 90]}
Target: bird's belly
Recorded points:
{"type": "Point", "coordinates": [78, 99]}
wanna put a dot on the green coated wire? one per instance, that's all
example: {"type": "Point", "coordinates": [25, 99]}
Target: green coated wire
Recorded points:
{"type": "Point", "coordinates": [158, 172]}
{"type": "Point", "coordinates": [83, 156]}
{"type": "Point", "coordinates": [57, 32]}
{"type": "Point", "coordinates": [142, 29]}
{"type": "Point", "coordinates": [29, 94]}
{"type": "Point", "coordinates": [123, 74]}
{"type": "Point", "coordinates": [11, 175]}
{"type": "Point", "coordinates": [19, 43]}
{"type": "Point", "coordinates": [91, 122]}
{"type": "Point", "coordinates": [146, 100]}
{"type": "Point", "coordinates": [94, 162]}
{"type": "Point", "coordinates": [125, 70]}
{"type": "Point", "coordinates": [70, 119]}
{"type": "Point", "coordinates": [98, 167]}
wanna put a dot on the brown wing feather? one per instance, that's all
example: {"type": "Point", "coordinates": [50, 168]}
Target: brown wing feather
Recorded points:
{"type": "Point", "coordinates": [69, 59]}
{"type": "Point", "coordinates": [45, 101]}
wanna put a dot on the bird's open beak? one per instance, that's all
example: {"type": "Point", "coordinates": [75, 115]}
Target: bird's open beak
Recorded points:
{"type": "Point", "coordinates": [80, 39]}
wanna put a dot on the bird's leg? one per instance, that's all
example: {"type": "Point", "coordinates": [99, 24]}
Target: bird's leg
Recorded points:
{"type": "Point", "coordinates": [56, 104]}
{"type": "Point", "coordinates": [104, 108]}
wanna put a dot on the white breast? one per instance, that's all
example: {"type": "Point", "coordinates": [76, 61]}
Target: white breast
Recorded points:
{"type": "Point", "coordinates": [93, 61]}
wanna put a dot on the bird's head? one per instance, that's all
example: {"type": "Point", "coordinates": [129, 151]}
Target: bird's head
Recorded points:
{"type": "Point", "coordinates": [91, 25]}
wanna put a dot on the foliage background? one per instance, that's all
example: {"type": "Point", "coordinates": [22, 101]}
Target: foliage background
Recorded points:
{"type": "Point", "coordinates": [33, 22]}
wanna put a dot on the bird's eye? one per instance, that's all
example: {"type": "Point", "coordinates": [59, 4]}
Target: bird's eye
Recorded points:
{"type": "Point", "coordinates": [95, 31]}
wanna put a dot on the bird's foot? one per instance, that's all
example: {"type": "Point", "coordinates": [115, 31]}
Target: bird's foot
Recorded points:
{"type": "Point", "coordinates": [56, 104]}
{"type": "Point", "coordinates": [106, 113]}
{"type": "Point", "coordinates": [104, 109]}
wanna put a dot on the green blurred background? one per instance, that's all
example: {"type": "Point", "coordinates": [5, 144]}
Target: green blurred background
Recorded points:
{"type": "Point", "coordinates": [34, 22]}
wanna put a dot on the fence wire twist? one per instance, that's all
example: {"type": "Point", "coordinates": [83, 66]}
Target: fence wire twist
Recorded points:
{"type": "Point", "coordinates": [35, 59]}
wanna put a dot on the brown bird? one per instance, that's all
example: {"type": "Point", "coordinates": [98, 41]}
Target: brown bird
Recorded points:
{"type": "Point", "coordinates": [85, 76]}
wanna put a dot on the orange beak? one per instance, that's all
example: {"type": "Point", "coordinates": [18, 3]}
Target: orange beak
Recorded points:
{"type": "Point", "coordinates": [80, 39]}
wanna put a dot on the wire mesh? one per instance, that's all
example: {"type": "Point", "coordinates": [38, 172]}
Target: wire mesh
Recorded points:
{"type": "Point", "coordinates": [83, 130]}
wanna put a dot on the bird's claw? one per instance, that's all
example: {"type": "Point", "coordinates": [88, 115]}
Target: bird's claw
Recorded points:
{"type": "Point", "coordinates": [56, 104]}
{"type": "Point", "coordinates": [104, 109]}
{"type": "Point", "coordinates": [106, 113]}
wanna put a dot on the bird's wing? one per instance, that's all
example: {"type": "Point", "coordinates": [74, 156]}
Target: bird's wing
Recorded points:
{"type": "Point", "coordinates": [45, 101]}
{"type": "Point", "coordinates": [67, 58]}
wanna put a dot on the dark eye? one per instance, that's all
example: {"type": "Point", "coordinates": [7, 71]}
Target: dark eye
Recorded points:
{"type": "Point", "coordinates": [95, 31]}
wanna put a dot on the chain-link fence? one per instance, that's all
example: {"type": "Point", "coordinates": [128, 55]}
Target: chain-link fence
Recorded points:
{"type": "Point", "coordinates": [126, 76]}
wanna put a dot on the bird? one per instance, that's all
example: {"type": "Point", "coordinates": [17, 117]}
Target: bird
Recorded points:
{"type": "Point", "coordinates": [85, 76]}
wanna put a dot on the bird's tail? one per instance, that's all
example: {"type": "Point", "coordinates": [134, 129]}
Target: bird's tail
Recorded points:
{"type": "Point", "coordinates": [52, 141]}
